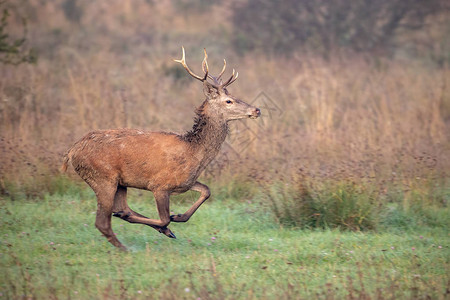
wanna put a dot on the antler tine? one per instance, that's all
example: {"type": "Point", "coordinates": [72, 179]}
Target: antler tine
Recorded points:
{"type": "Point", "coordinates": [205, 65]}
{"type": "Point", "coordinates": [223, 69]}
{"type": "Point", "coordinates": [235, 77]}
{"type": "Point", "coordinates": [183, 62]}
{"type": "Point", "coordinates": [231, 79]}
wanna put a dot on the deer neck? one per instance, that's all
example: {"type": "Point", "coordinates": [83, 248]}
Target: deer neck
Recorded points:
{"type": "Point", "coordinates": [207, 136]}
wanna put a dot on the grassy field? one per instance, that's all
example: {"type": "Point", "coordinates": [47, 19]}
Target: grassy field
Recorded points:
{"type": "Point", "coordinates": [230, 249]}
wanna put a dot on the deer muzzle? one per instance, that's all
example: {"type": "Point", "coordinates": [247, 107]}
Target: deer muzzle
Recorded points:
{"type": "Point", "coordinates": [255, 113]}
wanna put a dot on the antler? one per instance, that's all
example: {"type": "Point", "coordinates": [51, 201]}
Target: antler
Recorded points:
{"type": "Point", "coordinates": [223, 69]}
{"type": "Point", "coordinates": [204, 66]}
{"type": "Point", "coordinates": [217, 80]}
{"type": "Point", "coordinates": [230, 80]}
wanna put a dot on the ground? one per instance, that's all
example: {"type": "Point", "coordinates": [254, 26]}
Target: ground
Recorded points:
{"type": "Point", "coordinates": [228, 250]}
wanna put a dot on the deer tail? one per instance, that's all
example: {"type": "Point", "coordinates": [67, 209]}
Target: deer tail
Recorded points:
{"type": "Point", "coordinates": [66, 160]}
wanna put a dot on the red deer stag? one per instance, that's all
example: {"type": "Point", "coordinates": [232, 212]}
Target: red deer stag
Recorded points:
{"type": "Point", "coordinates": [165, 163]}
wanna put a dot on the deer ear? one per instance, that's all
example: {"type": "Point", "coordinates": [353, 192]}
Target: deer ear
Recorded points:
{"type": "Point", "coordinates": [210, 91]}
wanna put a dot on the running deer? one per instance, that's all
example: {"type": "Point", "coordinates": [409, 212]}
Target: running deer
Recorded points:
{"type": "Point", "coordinates": [110, 161]}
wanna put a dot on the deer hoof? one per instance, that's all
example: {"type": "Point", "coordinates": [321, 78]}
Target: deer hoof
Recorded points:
{"type": "Point", "coordinates": [178, 218]}
{"type": "Point", "coordinates": [122, 215]}
{"type": "Point", "coordinates": [174, 217]}
{"type": "Point", "coordinates": [167, 232]}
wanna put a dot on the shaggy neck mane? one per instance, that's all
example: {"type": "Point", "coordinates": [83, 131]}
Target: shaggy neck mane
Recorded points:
{"type": "Point", "coordinates": [209, 132]}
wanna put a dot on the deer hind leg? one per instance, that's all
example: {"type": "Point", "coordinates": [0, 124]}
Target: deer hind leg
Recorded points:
{"type": "Point", "coordinates": [121, 208]}
{"type": "Point", "coordinates": [204, 194]}
{"type": "Point", "coordinates": [105, 202]}
{"type": "Point", "coordinates": [123, 211]}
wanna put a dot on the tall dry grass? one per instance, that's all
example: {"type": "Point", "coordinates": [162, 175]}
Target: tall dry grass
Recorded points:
{"type": "Point", "coordinates": [351, 118]}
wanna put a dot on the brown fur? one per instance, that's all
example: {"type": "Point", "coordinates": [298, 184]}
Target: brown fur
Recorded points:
{"type": "Point", "coordinates": [110, 161]}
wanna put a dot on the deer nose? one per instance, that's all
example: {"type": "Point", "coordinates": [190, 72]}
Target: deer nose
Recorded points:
{"type": "Point", "coordinates": [258, 111]}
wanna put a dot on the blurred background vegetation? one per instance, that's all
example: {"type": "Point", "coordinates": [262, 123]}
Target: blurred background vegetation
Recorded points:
{"type": "Point", "coordinates": [356, 109]}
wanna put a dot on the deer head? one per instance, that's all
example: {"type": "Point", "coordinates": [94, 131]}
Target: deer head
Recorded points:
{"type": "Point", "coordinates": [219, 102]}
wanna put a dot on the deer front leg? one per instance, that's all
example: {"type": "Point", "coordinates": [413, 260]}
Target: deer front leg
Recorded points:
{"type": "Point", "coordinates": [163, 206]}
{"type": "Point", "coordinates": [204, 194]}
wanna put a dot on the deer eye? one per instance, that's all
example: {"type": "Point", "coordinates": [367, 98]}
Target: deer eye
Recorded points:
{"type": "Point", "coordinates": [229, 101]}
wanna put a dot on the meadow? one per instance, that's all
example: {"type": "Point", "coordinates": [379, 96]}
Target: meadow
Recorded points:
{"type": "Point", "coordinates": [229, 250]}
{"type": "Point", "coordinates": [339, 191]}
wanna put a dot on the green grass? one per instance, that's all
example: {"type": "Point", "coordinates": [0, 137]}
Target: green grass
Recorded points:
{"type": "Point", "coordinates": [50, 249]}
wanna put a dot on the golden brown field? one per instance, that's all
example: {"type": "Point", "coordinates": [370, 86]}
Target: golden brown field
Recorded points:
{"type": "Point", "coordinates": [353, 117]}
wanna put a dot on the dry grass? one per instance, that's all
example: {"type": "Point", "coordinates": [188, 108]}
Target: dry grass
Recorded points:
{"type": "Point", "coordinates": [350, 118]}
